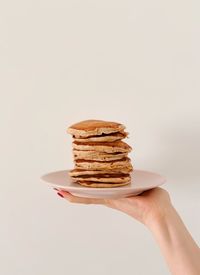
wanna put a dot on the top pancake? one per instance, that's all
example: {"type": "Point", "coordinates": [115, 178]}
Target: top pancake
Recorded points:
{"type": "Point", "coordinates": [88, 128]}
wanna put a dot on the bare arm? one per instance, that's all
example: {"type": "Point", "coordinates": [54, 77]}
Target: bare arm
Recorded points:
{"type": "Point", "coordinates": [154, 209]}
{"type": "Point", "coordinates": [177, 246]}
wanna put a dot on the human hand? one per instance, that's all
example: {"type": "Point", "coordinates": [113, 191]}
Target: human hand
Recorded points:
{"type": "Point", "coordinates": [154, 209]}
{"type": "Point", "coordinates": [147, 207]}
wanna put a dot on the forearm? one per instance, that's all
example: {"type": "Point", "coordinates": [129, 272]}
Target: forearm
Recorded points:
{"type": "Point", "coordinates": [179, 249]}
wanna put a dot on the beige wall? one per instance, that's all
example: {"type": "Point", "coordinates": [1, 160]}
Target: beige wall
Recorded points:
{"type": "Point", "coordinates": [62, 61]}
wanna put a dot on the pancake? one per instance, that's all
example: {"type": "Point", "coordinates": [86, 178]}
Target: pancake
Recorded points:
{"type": "Point", "coordinates": [103, 138]}
{"type": "Point", "coordinates": [109, 165]}
{"type": "Point", "coordinates": [80, 172]}
{"type": "Point", "coordinates": [106, 147]}
{"type": "Point", "coordinates": [105, 178]}
{"type": "Point", "coordinates": [93, 155]}
{"type": "Point", "coordinates": [89, 128]}
{"type": "Point", "coordinates": [101, 185]}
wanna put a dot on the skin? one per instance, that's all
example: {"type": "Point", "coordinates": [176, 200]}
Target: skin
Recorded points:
{"type": "Point", "coordinates": [154, 209]}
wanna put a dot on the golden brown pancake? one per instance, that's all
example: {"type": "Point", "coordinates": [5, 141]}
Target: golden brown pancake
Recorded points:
{"type": "Point", "coordinates": [106, 147]}
{"type": "Point", "coordinates": [101, 185]}
{"type": "Point", "coordinates": [99, 156]}
{"type": "Point", "coordinates": [103, 138]}
{"type": "Point", "coordinates": [98, 165]}
{"type": "Point", "coordinates": [81, 172]}
{"type": "Point", "coordinates": [89, 128]}
{"type": "Point", "coordinates": [115, 178]}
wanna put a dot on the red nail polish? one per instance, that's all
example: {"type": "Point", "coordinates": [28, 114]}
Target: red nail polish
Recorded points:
{"type": "Point", "coordinates": [60, 195]}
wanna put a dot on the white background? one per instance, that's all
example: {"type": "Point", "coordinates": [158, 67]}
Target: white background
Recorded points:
{"type": "Point", "coordinates": [136, 62]}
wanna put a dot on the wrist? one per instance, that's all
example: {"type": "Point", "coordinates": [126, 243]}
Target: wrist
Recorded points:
{"type": "Point", "coordinates": [160, 217]}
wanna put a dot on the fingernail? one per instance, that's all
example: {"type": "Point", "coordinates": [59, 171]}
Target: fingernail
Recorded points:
{"type": "Point", "coordinates": [55, 189]}
{"type": "Point", "coordinates": [59, 194]}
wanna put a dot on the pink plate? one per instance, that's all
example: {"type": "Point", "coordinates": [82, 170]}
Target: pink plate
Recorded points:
{"type": "Point", "coordinates": [140, 181]}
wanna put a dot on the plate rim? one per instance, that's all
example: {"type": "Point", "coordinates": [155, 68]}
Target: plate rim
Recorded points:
{"type": "Point", "coordinates": [120, 188]}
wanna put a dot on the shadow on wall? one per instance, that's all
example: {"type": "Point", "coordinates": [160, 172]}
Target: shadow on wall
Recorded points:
{"type": "Point", "coordinates": [180, 152]}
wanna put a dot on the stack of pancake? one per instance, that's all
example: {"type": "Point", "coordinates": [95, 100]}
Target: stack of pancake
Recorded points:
{"type": "Point", "coordinates": [100, 155]}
